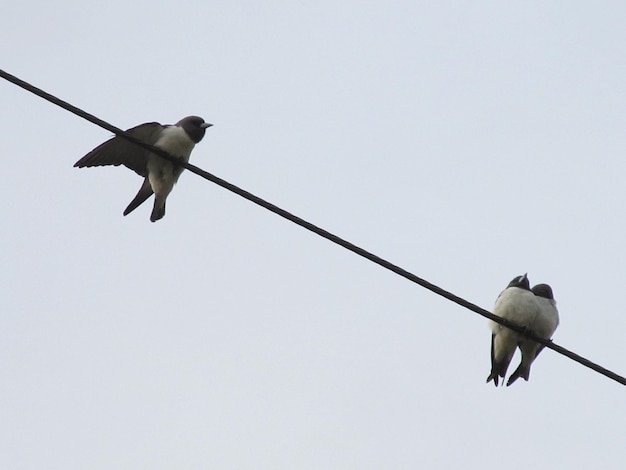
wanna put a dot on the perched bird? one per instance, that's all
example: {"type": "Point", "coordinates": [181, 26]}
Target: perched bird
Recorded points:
{"type": "Point", "coordinates": [518, 304]}
{"type": "Point", "coordinates": [159, 174]}
{"type": "Point", "coordinates": [543, 326]}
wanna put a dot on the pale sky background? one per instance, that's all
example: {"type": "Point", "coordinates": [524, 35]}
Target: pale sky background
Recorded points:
{"type": "Point", "coordinates": [468, 142]}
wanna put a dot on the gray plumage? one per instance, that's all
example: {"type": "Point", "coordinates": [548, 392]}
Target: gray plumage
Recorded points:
{"type": "Point", "coordinates": [532, 309]}
{"type": "Point", "coordinates": [159, 174]}
{"type": "Point", "coordinates": [518, 304]}
{"type": "Point", "coordinates": [543, 326]}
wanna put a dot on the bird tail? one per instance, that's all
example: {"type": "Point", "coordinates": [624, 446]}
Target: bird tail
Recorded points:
{"type": "Point", "coordinates": [158, 211]}
{"type": "Point", "coordinates": [529, 351]}
{"type": "Point", "coordinates": [495, 377]}
{"type": "Point", "coordinates": [498, 369]}
{"type": "Point", "coordinates": [523, 371]}
{"type": "Point", "coordinates": [499, 362]}
{"type": "Point", "coordinates": [144, 193]}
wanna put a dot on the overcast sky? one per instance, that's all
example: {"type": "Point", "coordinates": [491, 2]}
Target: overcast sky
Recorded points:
{"type": "Point", "coordinates": [468, 142]}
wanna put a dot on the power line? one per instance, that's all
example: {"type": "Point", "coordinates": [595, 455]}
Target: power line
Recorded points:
{"type": "Point", "coordinates": [317, 230]}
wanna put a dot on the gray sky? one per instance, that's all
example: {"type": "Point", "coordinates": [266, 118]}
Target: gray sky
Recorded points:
{"type": "Point", "coordinates": [468, 142]}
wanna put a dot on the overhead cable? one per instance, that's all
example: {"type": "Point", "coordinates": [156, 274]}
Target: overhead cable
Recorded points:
{"type": "Point", "coordinates": [317, 230]}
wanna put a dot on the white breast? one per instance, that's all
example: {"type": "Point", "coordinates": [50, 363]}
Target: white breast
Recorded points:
{"type": "Point", "coordinates": [546, 322]}
{"type": "Point", "coordinates": [162, 173]}
{"type": "Point", "coordinates": [175, 141]}
{"type": "Point", "coordinates": [517, 305]}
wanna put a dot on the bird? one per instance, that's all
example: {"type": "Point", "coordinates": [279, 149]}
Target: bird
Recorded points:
{"type": "Point", "coordinates": [518, 304]}
{"type": "Point", "coordinates": [543, 326]}
{"type": "Point", "coordinates": [159, 174]}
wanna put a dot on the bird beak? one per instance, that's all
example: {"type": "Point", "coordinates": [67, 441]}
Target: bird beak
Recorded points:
{"type": "Point", "coordinates": [204, 125]}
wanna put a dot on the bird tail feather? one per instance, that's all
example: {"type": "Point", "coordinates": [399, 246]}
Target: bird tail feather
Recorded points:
{"type": "Point", "coordinates": [158, 211]}
{"type": "Point", "coordinates": [523, 371]}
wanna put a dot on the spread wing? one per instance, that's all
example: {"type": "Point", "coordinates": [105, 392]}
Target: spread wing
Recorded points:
{"type": "Point", "coordinates": [119, 151]}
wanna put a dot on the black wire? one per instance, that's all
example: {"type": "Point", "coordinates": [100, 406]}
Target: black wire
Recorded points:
{"type": "Point", "coordinates": [318, 230]}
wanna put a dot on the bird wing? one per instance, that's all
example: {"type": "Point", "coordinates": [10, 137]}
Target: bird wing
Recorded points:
{"type": "Point", "coordinates": [120, 151]}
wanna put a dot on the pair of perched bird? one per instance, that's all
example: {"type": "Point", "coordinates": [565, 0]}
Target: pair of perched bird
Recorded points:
{"type": "Point", "coordinates": [532, 309]}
